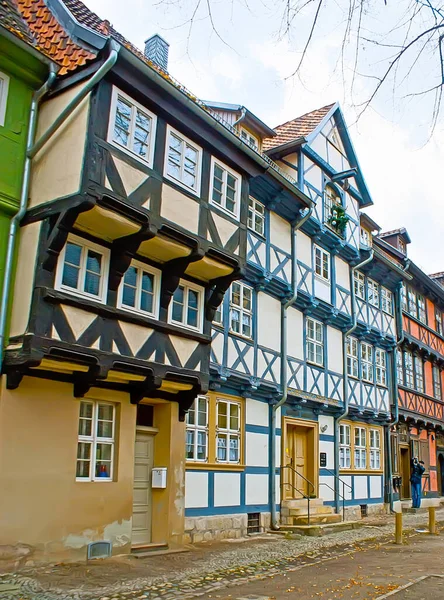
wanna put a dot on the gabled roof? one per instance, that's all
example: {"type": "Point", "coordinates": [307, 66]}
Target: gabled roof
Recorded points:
{"type": "Point", "coordinates": [34, 23]}
{"type": "Point", "coordinates": [296, 128]}
{"type": "Point", "coordinates": [401, 231]}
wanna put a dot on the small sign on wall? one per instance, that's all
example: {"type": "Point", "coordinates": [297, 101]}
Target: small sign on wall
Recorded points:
{"type": "Point", "coordinates": [323, 459]}
{"type": "Point", "coordinates": [159, 477]}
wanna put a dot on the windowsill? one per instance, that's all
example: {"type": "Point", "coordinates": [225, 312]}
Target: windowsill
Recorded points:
{"type": "Point", "coordinates": [132, 310]}
{"type": "Point", "coordinates": [182, 326]}
{"type": "Point", "coordinates": [183, 185]}
{"type": "Point", "coordinates": [139, 159]}
{"type": "Point", "coordinates": [260, 235]}
{"type": "Point", "coordinates": [345, 471]}
{"type": "Point", "coordinates": [77, 294]}
{"type": "Point", "coordinates": [323, 279]}
{"type": "Point", "coordinates": [240, 335]}
{"type": "Point", "coordinates": [201, 466]}
{"type": "Point", "coordinates": [98, 480]}
{"type": "Point", "coordinates": [223, 210]}
{"type": "Point", "coordinates": [310, 362]}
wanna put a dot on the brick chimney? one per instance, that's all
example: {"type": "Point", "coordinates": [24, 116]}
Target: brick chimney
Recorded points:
{"type": "Point", "coordinates": [156, 50]}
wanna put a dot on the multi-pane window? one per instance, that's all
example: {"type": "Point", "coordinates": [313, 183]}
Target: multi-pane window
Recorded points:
{"type": "Point", "coordinates": [409, 378]}
{"type": "Point", "coordinates": [315, 341]}
{"type": "Point", "coordinates": [83, 269]}
{"type": "Point", "coordinates": [352, 357]}
{"type": "Point", "coordinates": [438, 322]}
{"type": "Point", "coordinates": [4, 85]}
{"type": "Point", "coordinates": [360, 454]}
{"type": "Point", "coordinates": [366, 238]}
{"type": "Point", "coordinates": [186, 306]}
{"type": "Point", "coordinates": [225, 188]}
{"type": "Point", "coordinates": [367, 361]}
{"type": "Point", "coordinates": [412, 306]}
{"type": "Point", "coordinates": [404, 302]}
{"type": "Point", "coordinates": [322, 263]}
{"type": "Point", "coordinates": [437, 382]}
{"type": "Point", "coordinates": [218, 315]}
{"type": "Point", "coordinates": [249, 138]}
{"type": "Point", "coordinates": [381, 366]}
{"type": "Point", "coordinates": [331, 199]}
{"type": "Point", "coordinates": [419, 374]}
{"type": "Point", "coordinates": [386, 300]}
{"type": "Point", "coordinates": [422, 309]}
{"type": "Point", "coordinates": [139, 289]}
{"type": "Point", "coordinates": [400, 368]}
{"type": "Point", "coordinates": [228, 431]}
{"type": "Point", "coordinates": [375, 449]}
{"type": "Point", "coordinates": [197, 430]}
{"type": "Point", "coordinates": [359, 283]}
{"type": "Point", "coordinates": [95, 447]}
{"type": "Point", "coordinates": [373, 292]}
{"type": "Point", "coordinates": [344, 447]}
{"type": "Point", "coordinates": [183, 159]}
{"type": "Point", "coordinates": [241, 309]}
{"type": "Point", "coordinates": [256, 216]}
{"type": "Point", "coordinates": [132, 127]}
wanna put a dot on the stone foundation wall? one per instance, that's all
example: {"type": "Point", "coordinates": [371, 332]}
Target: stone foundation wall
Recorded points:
{"type": "Point", "coordinates": [353, 513]}
{"type": "Point", "coordinates": [220, 527]}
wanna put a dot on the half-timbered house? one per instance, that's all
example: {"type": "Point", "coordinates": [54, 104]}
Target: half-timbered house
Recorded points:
{"type": "Point", "coordinates": [136, 226]}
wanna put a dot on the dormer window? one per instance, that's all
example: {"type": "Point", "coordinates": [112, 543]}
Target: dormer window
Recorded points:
{"type": "Point", "coordinates": [249, 138]}
{"type": "Point", "coordinates": [402, 246]}
{"type": "Point", "coordinates": [366, 237]}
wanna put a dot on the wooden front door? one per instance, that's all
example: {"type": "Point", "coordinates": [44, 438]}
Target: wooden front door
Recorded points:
{"type": "Point", "coordinates": [142, 504]}
{"type": "Point", "coordinates": [405, 472]}
{"type": "Point", "coordinates": [297, 459]}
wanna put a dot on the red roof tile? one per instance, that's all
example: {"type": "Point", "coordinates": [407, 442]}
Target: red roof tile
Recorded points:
{"type": "Point", "coordinates": [299, 127]}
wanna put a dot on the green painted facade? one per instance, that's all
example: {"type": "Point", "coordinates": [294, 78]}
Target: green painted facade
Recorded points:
{"type": "Point", "coordinates": [26, 73]}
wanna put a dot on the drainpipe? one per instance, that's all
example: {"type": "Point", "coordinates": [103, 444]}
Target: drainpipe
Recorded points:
{"type": "Point", "coordinates": [31, 150]}
{"type": "Point", "coordinates": [284, 383]}
{"type": "Point", "coordinates": [241, 118]}
{"type": "Point", "coordinates": [344, 368]}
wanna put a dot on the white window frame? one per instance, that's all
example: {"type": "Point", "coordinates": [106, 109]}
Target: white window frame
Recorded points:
{"type": "Point", "coordinates": [360, 449]}
{"type": "Point", "coordinates": [373, 292]}
{"type": "Point", "coordinates": [4, 90]}
{"type": "Point", "coordinates": [386, 300]}
{"type": "Point", "coordinates": [344, 447]}
{"type": "Point", "coordinates": [241, 310]}
{"type": "Point", "coordinates": [314, 342]}
{"type": "Point", "coordinates": [237, 176]}
{"type": "Point", "coordinates": [324, 258]}
{"type": "Point", "coordinates": [400, 367]}
{"type": "Point", "coordinates": [135, 107]}
{"type": "Point", "coordinates": [141, 267]}
{"type": "Point", "coordinates": [438, 322]}
{"type": "Point", "coordinates": [404, 297]}
{"type": "Point", "coordinates": [375, 449]}
{"type": "Point", "coordinates": [422, 311]}
{"type": "Point", "coordinates": [352, 357]}
{"type": "Point", "coordinates": [367, 361]}
{"type": "Point", "coordinates": [94, 440]}
{"type": "Point", "coordinates": [418, 365]}
{"type": "Point", "coordinates": [193, 190]}
{"type": "Point", "coordinates": [365, 237]}
{"type": "Point", "coordinates": [253, 213]}
{"type": "Point", "coordinates": [409, 370]}
{"type": "Point", "coordinates": [219, 312]}
{"type": "Point", "coordinates": [200, 291]}
{"type": "Point", "coordinates": [412, 302]}
{"type": "Point", "coordinates": [359, 283]}
{"type": "Point", "coordinates": [198, 429]}
{"type": "Point", "coordinates": [228, 432]}
{"type": "Point", "coordinates": [381, 366]}
{"type": "Point", "coordinates": [86, 245]}
{"type": "Point", "coordinates": [246, 136]}
{"type": "Point", "coordinates": [436, 375]}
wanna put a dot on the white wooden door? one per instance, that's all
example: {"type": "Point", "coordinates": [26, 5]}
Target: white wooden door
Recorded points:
{"type": "Point", "coordinates": [142, 505]}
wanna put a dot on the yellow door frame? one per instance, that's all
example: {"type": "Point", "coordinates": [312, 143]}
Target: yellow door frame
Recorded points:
{"type": "Point", "coordinates": [314, 427]}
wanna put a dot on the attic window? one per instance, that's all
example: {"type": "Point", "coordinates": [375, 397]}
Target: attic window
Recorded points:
{"type": "Point", "coordinates": [249, 138]}
{"type": "Point", "coordinates": [334, 139]}
{"type": "Point", "coordinates": [402, 246]}
{"type": "Point", "coordinates": [366, 238]}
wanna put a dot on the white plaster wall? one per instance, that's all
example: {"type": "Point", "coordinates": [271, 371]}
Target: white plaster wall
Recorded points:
{"type": "Point", "coordinates": [278, 489]}
{"type": "Point", "coordinates": [295, 343]}
{"type": "Point", "coordinates": [303, 248]}
{"type": "Point", "coordinates": [342, 273]}
{"type": "Point", "coordinates": [322, 290]}
{"type": "Point", "coordinates": [256, 449]}
{"type": "Point", "coordinates": [256, 489]}
{"type": "Point", "coordinates": [269, 321]}
{"type": "Point", "coordinates": [324, 491]}
{"type": "Point", "coordinates": [348, 480]}
{"type": "Point", "coordinates": [313, 175]}
{"type": "Point", "coordinates": [329, 422]}
{"type": "Point", "coordinates": [226, 489]}
{"type": "Point", "coordinates": [233, 355]}
{"type": "Point", "coordinates": [376, 486]}
{"type": "Point", "coordinates": [292, 159]}
{"type": "Point", "coordinates": [360, 487]}
{"type": "Point", "coordinates": [280, 232]}
{"type": "Point", "coordinates": [278, 449]}
{"type": "Point", "coordinates": [334, 341]}
{"type": "Point", "coordinates": [196, 490]}
{"type": "Point", "coordinates": [335, 158]}
{"type": "Point", "coordinates": [318, 145]}
{"type": "Point", "coordinates": [256, 412]}
{"type": "Point", "coordinates": [217, 346]}
{"type": "Point", "coordinates": [329, 449]}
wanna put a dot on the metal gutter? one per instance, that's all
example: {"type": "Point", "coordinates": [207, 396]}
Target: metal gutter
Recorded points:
{"type": "Point", "coordinates": [344, 366]}
{"type": "Point", "coordinates": [284, 350]}
{"type": "Point", "coordinates": [27, 47]}
{"type": "Point", "coordinates": [31, 150]}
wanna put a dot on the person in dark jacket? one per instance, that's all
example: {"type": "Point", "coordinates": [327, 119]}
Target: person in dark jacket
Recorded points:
{"type": "Point", "coordinates": [415, 479]}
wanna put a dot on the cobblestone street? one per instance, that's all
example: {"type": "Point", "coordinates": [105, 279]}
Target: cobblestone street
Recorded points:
{"type": "Point", "coordinates": [240, 569]}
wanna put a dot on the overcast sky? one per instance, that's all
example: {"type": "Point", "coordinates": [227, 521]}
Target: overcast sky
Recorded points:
{"type": "Point", "coordinates": [251, 66]}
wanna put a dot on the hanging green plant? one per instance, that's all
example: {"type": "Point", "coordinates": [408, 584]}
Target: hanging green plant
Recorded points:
{"type": "Point", "coordinates": [338, 219]}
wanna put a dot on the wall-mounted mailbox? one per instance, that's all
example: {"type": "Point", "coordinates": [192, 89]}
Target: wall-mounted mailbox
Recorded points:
{"type": "Point", "coordinates": [323, 459]}
{"type": "Point", "coordinates": [159, 477]}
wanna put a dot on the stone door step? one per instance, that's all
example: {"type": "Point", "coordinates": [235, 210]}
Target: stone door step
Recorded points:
{"type": "Point", "coordinates": [314, 519]}
{"type": "Point", "coordinates": [151, 553]}
{"type": "Point", "coordinates": [322, 529]}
